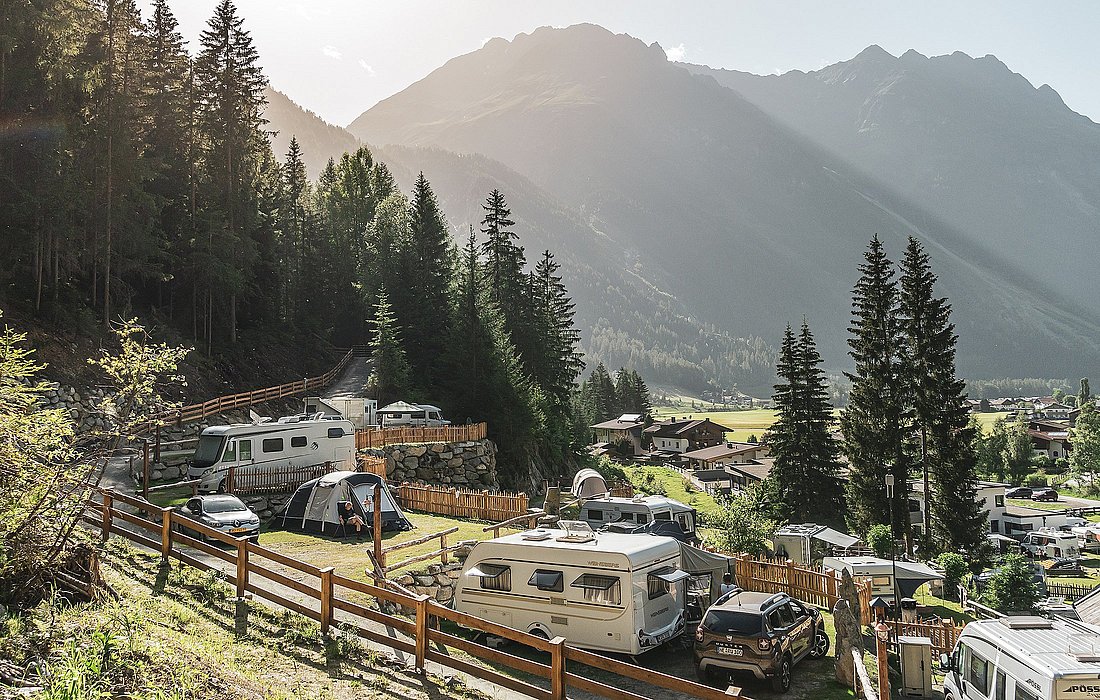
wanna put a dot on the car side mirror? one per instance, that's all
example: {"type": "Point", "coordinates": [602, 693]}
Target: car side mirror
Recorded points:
{"type": "Point", "coordinates": [945, 662]}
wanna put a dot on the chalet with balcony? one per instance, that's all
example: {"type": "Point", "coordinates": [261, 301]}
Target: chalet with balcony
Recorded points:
{"type": "Point", "coordinates": [677, 436]}
{"type": "Point", "coordinates": [624, 430]}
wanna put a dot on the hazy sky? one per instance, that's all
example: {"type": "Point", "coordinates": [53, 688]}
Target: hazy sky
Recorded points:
{"type": "Point", "coordinates": [339, 57]}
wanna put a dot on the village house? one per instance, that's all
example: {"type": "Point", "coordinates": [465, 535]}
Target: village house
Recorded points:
{"type": "Point", "coordinates": [626, 429]}
{"type": "Point", "coordinates": [1051, 410]}
{"type": "Point", "coordinates": [1003, 518]}
{"type": "Point", "coordinates": [676, 436]}
{"type": "Point", "coordinates": [726, 453]}
{"type": "Point", "coordinates": [1049, 438]}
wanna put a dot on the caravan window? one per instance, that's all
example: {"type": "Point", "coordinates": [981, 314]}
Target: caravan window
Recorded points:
{"type": "Point", "coordinates": [662, 516]}
{"type": "Point", "coordinates": [298, 441]}
{"type": "Point", "coordinates": [546, 580]}
{"type": "Point", "coordinates": [272, 445]}
{"type": "Point", "coordinates": [494, 577]}
{"type": "Point", "coordinates": [594, 514]}
{"type": "Point", "coordinates": [643, 518]}
{"type": "Point", "coordinates": [878, 581]}
{"type": "Point", "coordinates": [1023, 693]}
{"type": "Point", "coordinates": [975, 671]}
{"type": "Point", "coordinates": [207, 451]}
{"type": "Point", "coordinates": [336, 432]}
{"type": "Point", "coordinates": [245, 449]}
{"type": "Point", "coordinates": [599, 589]}
{"type": "Point", "coordinates": [230, 454]}
{"type": "Point", "coordinates": [1002, 680]}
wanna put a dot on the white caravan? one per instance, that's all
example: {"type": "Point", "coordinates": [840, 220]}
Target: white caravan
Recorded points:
{"type": "Point", "coordinates": [639, 510]}
{"type": "Point", "coordinates": [1048, 542]}
{"type": "Point", "coordinates": [267, 446]}
{"type": "Point", "coordinates": [419, 415]}
{"type": "Point", "coordinates": [911, 575]}
{"type": "Point", "coordinates": [602, 591]}
{"type": "Point", "coordinates": [1024, 658]}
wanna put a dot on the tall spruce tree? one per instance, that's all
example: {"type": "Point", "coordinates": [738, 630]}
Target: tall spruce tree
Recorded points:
{"type": "Point", "coordinates": [805, 471]}
{"type": "Point", "coordinates": [426, 313]}
{"type": "Point", "coordinates": [873, 423]}
{"type": "Point", "coordinates": [557, 362]}
{"type": "Point", "coordinates": [508, 286]}
{"type": "Point", "coordinates": [389, 368]}
{"type": "Point", "coordinates": [940, 417]}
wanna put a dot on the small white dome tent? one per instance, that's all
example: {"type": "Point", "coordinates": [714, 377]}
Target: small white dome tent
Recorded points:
{"type": "Point", "coordinates": [315, 506]}
{"type": "Point", "coordinates": [589, 484]}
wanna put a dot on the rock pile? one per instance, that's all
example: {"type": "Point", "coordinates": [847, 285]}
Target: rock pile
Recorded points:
{"type": "Point", "coordinates": [83, 406]}
{"type": "Point", "coordinates": [470, 464]}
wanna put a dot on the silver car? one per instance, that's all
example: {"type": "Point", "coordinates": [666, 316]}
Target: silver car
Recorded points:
{"type": "Point", "coordinates": [223, 512]}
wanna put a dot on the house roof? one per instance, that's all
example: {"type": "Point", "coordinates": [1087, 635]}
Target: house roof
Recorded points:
{"type": "Point", "coordinates": [675, 428]}
{"type": "Point", "coordinates": [728, 449]}
{"type": "Point", "coordinates": [759, 471]}
{"type": "Point", "coordinates": [1049, 435]}
{"type": "Point", "coordinates": [617, 424]}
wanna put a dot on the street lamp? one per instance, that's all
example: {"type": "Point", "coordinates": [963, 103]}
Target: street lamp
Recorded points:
{"type": "Point", "coordinates": [882, 635]}
{"type": "Point", "coordinates": [893, 566]}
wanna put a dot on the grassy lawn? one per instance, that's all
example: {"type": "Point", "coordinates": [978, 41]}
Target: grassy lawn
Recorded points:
{"type": "Point", "coordinates": [986, 420]}
{"type": "Point", "coordinates": [350, 558]}
{"type": "Point", "coordinates": [742, 423]}
{"type": "Point", "coordinates": [1037, 505]}
{"type": "Point", "coordinates": [671, 483]}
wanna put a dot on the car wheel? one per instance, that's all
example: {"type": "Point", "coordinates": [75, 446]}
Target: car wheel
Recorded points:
{"type": "Point", "coordinates": [221, 486]}
{"type": "Point", "coordinates": [820, 644]}
{"type": "Point", "coordinates": [781, 683]}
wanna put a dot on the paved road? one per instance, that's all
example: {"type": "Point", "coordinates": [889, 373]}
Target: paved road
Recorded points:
{"type": "Point", "coordinates": [353, 382]}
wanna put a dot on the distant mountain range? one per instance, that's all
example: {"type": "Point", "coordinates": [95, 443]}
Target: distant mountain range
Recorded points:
{"type": "Point", "coordinates": [693, 206]}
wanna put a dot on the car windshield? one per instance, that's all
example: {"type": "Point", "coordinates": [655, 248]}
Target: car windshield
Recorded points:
{"type": "Point", "coordinates": [223, 505]}
{"type": "Point", "coordinates": [733, 622]}
{"type": "Point", "coordinates": [207, 452]}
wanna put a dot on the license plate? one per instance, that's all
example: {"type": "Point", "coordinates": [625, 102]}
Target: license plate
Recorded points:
{"type": "Point", "coordinates": [731, 651]}
{"type": "Point", "coordinates": [239, 529]}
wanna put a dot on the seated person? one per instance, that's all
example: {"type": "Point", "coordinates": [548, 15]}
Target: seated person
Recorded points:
{"type": "Point", "coordinates": [348, 516]}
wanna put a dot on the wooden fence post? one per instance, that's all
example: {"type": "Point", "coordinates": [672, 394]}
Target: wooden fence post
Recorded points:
{"type": "Point", "coordinates": [108, 502]}
{"type": "Point", "coordinates": [230, 480]}
{"type": "Point", "coordinates": [444, 558]}
{"type": "Point", "coordinates": [165, 536]}
{"type": "Point", "coordinates": [421, 632]}
{"type": "Point", "coordinates": [376, 530]}
{"type": "Point", "coordinates": [145, 469]}
{"type": "Point", "coordinates": [557, 668]}
{"type": "Point", "coordinates": [326, 598]}
{"type": "Point", "coordinates": [790, 578]}
{"type": "Point", "coordinates": [242, 566]}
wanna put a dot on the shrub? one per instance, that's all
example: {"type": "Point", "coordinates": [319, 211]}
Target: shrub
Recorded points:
{"type": "Point", "coordinates": [1012, 588]}
{"type": "Point", "coordinates": [1035, 480]}
{"type": "Point", "coordinates": [880, 539]}
{"type": "Point", "coordinates": [954, 568]}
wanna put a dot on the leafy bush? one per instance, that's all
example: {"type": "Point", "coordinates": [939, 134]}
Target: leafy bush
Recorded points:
{"type": "Point", "coordinates": [880, 539]}
{"type": "Point", "coordinates": [1012, 588]}
{"type": "Point", "coordinates": [954, 568]}
{"type": "Point", "coordinates": [1035, 480]}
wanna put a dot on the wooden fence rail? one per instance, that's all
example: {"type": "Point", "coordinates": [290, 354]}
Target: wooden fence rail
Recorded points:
{"type": "Point", "coordinates": [1069, 591]}
{"type": "Point", "coordinates": [244, 482]}
{"type": "Point", "coordinates": [443, 552]}
{"type": "Point", "coordinates": [812, 585]}
{"type": "Point", "coordinates": [326, 601]}
{"type": "Point", "coordinates": [461, 503]}
{"type": "Point", "coordinates": [862, 681]}
{"type": "Point", "coordinates": [943, 634]}
{"type": "Point", "coordinates": [404, 435]}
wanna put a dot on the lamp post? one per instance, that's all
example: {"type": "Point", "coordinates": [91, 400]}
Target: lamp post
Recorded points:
{"type": "Point", "coordinates": [882, 634]}
{"type": "Point", "coordinates": [894, 565]}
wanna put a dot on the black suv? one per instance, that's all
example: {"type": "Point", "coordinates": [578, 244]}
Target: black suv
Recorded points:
{"type": "Point", "coordinates": [765, 634]}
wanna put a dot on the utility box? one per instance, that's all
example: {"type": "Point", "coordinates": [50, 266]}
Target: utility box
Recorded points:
{"type": "Point", "coordinates": [916, 666]}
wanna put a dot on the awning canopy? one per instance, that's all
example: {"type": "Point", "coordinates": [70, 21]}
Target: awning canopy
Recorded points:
{"type": "Point", "coordinates": [835, 538]}
{"type": "Point", "coordinates": [670, 575]}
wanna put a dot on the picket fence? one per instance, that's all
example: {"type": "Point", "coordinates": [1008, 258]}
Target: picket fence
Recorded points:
{"type": "Point", "coordinates": [812, 585]}
{"type": "Point", "coordinates": [943, 633]}
{"type": "Point", "coordinates": [330, 599]}
{"type": "Point", "coordinates": [461, 503]}
{"type": "Point", "coordinates": [406, 435]}
{"type": "Point", "coordinates": [246, 482]}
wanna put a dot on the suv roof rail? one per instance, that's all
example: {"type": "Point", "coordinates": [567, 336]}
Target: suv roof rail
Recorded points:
{"type": "Point", "coordinates": [777, 597]}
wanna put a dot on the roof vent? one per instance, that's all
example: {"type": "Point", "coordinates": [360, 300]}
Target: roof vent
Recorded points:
{"type": "Point", "coordinates": [536, 535]}
{"type": "Point", "coordinates": [1026, 622]}
{"type": "Point", "coordinates": [1083, 648]}
{"type": "Point", "coordinates": [576, 531]}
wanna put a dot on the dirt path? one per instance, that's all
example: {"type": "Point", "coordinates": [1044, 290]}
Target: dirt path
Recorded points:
{"type": "Point", "coordinates": [353, 382]}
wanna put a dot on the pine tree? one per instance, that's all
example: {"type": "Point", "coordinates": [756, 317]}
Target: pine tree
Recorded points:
{"type": "Point", "coordinates": [1085, 395]}
{"type": "Point", "coordinates": [507, 284]}
{"type": "Point", "coordinates": [390, 371]}
{"type": "Point", "coordinates": [940, 416]}
{"type": "Point", "coordinates": [426, 315]}
{"type": "Point", "coordinates": [557, 363]}
{"type": "Point", "coordinates": [293, 229]}
{"type": "Point", "coordinates": [1084, 460]}
{"type": "Point", "coordinates": [873, 423]}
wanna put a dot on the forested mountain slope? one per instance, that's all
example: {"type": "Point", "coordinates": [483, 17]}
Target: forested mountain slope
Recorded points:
{"type": "Point", "coordinates": [746, 222]}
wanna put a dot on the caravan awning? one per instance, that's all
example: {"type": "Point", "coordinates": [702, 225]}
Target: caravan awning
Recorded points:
{"type": "Point", "coordinates": [835, 538]}
{"type": "Point", "coordinates": [670, 575]}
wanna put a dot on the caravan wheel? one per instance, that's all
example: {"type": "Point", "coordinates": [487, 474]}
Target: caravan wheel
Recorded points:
{"type": "Point", "coordinates": [221, 486]}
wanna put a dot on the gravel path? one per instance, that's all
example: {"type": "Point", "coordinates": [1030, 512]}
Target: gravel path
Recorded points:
{"type": "Point", "coordinates": [353, 383]}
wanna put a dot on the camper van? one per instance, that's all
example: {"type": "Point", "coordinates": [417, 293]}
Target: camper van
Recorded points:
{"type": "Point", "coordinates": [1048, 542]}
{"type": "Point", "coordinates": [639, 511]}
{"type": "Point", "coordinates": [1088, 537]}
{"type": "Point", "coordinates": [1026, 658]}
{"type": "Point", "coordinates": [419, 415]}
{"type": "Point", "coordinates": [265, 446]}
{"type": "Point", "coordinates": [602, 591]}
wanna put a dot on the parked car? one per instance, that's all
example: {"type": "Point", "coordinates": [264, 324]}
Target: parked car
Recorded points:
{"type": "Point", "coordinates": [1018, 492]}
{"type": "Point", "coordinates": [1065, 567]}
{"type": "Point", "coordinates": [223, 512]}
{"type": "Point", "coordinates": [1044, 494]}
{"type": "Point", "coordinates": [760, 633]}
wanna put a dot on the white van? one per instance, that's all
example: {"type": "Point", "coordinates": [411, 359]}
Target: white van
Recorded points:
{"type": "Point", "coordinates": [602, 591]}
{"type": "Point", "coordinates": [1047, 542]}
{"type": "Point", "coordinates": [419, 415]}
{"type": "Point", "coordinates": [267, 446]}
{"type": "Point", "coordinates": [1024, 658]}
{"type": "Point", "coordinates": [639, 510]}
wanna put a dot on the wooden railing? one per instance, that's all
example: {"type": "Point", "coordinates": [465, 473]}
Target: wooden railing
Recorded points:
{"type": "Point", "coordinates": [461, 503]}
{"type": "Point", "coordinates": [943, 634]}
{"type": "Point", "coordinates": [253, 568]}
{"type": "Point", "coordinates": [861, 679]}
{"type": "Point", "coordinates": [405, 435]}
{"type": "Point", "coordinates": [245, 481]}
{"type": "Point", "coordinates": [527, 520]}
{"type": "Point", "coordinates": [812, 585]}
{"type": "Point", "coordinates": [373, 465]}
{"type": "Point", "coordinates": [199, 411]}
{"type": "Point", "coordinates": [443, 552]}
{"type": "Point", "coordinates": [1069, 591]}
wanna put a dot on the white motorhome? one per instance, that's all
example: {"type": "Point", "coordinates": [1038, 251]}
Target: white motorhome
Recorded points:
{"type": "Point", "coordinates": [401, 413]}
{"type": "Point", "coordinates": [1024, 658]}
{"type": "Point", "coordinates": [1047, 542]}
{"type": "Point", "coordinates": [266, 446]}
{"type": "Point", "coordinates": [602, 591]}
{"type": "Point", "coordinates": [361, 412]}
{"type": "Point", "coordinates": [1088, 537]}
{"type": "Point", "coordinates": [639, 510]}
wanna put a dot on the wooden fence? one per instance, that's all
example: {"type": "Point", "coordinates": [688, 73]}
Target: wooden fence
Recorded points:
{"type": "Point", "coordinates": [461, 503]}
{"type": "Point", "coordinates": [943, 634]}
{"type": "Point", "coordinates": [814, 586]}
{"type": "Point", "coordinates": [1069, 591]}
{"type": "Point", "coordinates": [863, 688]}
{"type": "Point", "coordinates": [405, 435]}
{"type": "Point", "coordinates": [199, 411]}
{"type": "Point", "coordinates": [254, 568]}
{"type": "Point", "coordinates": [246, 482]}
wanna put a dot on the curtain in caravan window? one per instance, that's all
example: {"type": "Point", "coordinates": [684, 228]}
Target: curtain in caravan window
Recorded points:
{"type": "Point", "coordinates": [976, 672]}
{"type": "Point", "coordinates": [599, 589]}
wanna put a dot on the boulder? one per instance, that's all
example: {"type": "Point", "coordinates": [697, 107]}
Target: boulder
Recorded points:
{"type": "Point", "coordinates": [416, 450]}
{"type": "Point", "coordinates": [848, 637]}
{"type": "Point", "coordinates": [171, 473]}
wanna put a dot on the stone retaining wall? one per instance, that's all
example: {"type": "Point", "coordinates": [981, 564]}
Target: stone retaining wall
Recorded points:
{"type": "Point", "coordinates": [471, 464]}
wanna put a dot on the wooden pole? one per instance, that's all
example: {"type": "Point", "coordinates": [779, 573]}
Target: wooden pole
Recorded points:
{"type": "Point", "coordinates": [165, 536]}
{"type": "Point", "coordinates": [376, 529]}
{"type": "Point", "coordinates": [326, 599]}
{"type": "Point", "coordinates": [557, 668]}
{"type": "Point", "coordinates": [883, 670]}
{"type": "Point", "coordinates": [421, 632]}
{"type": "Point", "coordinates": [145, 469]}
{"type": "Point", "coordinates": [108, 501]}
{"type": "Point", "coordinates": [242, 566]}
{"type": "Point", "coordinates": [156, 449]}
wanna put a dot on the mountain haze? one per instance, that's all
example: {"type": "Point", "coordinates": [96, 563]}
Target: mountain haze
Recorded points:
{"type": "Point", "coordinates": [744, 219]}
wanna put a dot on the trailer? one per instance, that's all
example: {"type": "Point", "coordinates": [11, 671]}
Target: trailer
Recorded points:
{"type": "Point", "coordinates": [267, 447]}
{"type": "Point", "coordinates": [638, 512]}
{"type": "Point", "coordinates": [607, 592]}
